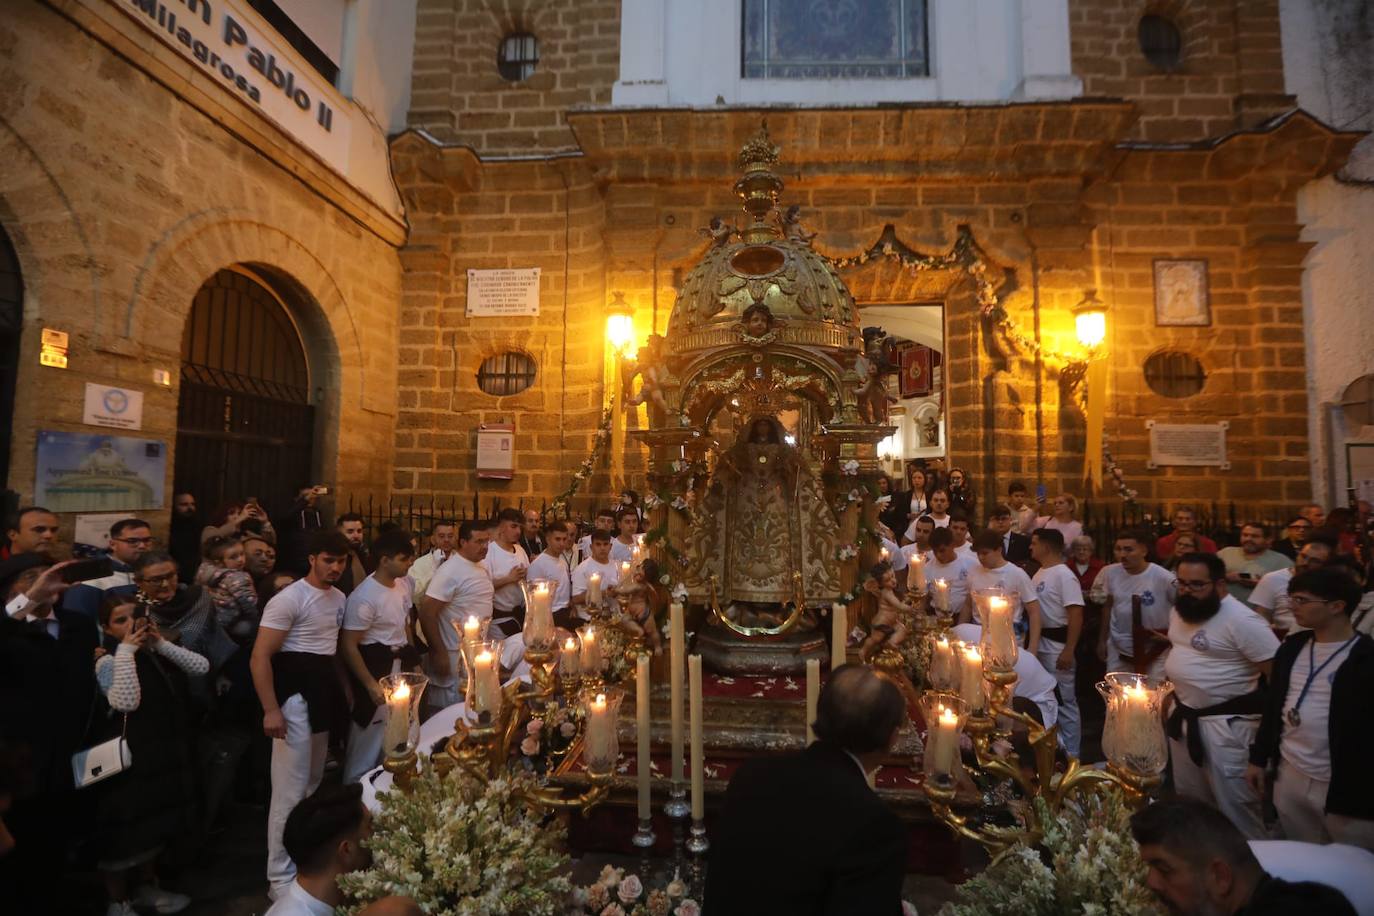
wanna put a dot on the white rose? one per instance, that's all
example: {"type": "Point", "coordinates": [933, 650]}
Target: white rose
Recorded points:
{"type": "Point", "coordinates": [688, 907]}
{"type": "Point", "coordinates": [630, 889]}
{"type": "Point", "coordinates": [676, 888]}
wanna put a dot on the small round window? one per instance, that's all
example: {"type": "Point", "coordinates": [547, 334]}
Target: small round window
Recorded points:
{"type": "Point", "coordinates": [1173, 374]}
{"type": "Point", "coordinates": [1161, 42]}
{"type": "Point", "coordinates": [518, 56]}
{"type": "Point", "coordinates": [506, 373]}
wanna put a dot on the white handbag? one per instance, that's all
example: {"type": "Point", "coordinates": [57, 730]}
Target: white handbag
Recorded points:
{"type": "Point", "coordinates": [106, 759]}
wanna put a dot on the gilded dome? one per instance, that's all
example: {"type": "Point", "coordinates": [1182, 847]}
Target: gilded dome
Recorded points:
{"type": "Point", "coordinates": [769, 265]}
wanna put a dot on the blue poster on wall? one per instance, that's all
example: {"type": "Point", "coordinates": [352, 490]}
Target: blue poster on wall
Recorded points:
{"type": "Point", "coordinates": [80, 472]}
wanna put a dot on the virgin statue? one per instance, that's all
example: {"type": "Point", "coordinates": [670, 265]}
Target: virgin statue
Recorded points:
{"type": "Point", "coordinates": [763, 517]}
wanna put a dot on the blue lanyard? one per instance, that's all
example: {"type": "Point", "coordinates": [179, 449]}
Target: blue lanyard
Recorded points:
{"type": "Point", "coordinates": [1311, 660]}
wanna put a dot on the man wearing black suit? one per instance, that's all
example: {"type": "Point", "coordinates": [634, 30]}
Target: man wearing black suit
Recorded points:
{"type": "Point", "coordinates": [1016, 547]}
{"type": "Point", "coordinates": [804, 833]}
{"type": "Point", "coordinates": [47, 688]}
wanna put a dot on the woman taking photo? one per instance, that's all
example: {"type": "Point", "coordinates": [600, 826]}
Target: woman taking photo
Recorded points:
{"type": "Point", "coordinates": [961, 495]}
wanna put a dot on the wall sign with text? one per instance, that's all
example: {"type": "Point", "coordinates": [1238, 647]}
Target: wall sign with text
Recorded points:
{"type": "Point", "coordinates": [227, 40]}
{"type": "Point", "coordinates": [496, 451]}
{"type": "Point", "coordinates": [117, 408]}
{"type": "Point", "coordinates": [493, 293]}
{"type": "Point", "coordinates": [1188, 445]}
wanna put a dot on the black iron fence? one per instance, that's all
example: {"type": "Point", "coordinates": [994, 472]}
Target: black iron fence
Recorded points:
{"type": "Point", "coordinates": [1221, 522]}
{"type": "Point", "coordinates": [418, 513]}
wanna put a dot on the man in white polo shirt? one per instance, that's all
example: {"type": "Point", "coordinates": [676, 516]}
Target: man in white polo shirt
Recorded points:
{"type": "Point", "coordinates": [293, 671]}
{"type": "Point", "coordinates": [443, 536]}
{"type": "Point", "coordinates": [993, 571]}
{"type": "Point", "coordinates": [623, 545]}
{"type": "Point", "coordinates": [1032, 681]}
{"type": "Point", "coordinates": [506, 563]}
{"type": "Point", "coordinates": [600, 564]}
{"type": "Point", "coordinates": [374, 644]}
{"type": "Point", "coordinates": [1220, 647]}
{"type": "Point", "coordinates": [1061, 620]}
{"type": "Point", "coordinates": [551, 564]}
{"type": "Point", "coordinates": [461, 588]}
{"type": "Point", "coordinates": [1270, 597]}
{"type": "Point", "coordinates": [605, 521]}
{"type": "Point", "coordinates": [1115, 589]}
{"type": "Point", "coordinates": [953, 569]}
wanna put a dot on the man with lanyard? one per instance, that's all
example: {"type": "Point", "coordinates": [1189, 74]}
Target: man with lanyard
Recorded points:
{"type": "Point", "coordinates": [599, 563]}
{"type": "Point", "coordinates": [460, 589]}
{"type": "Point", "coordinates": [1220, 648]}
{"type": "Point", "coordinates": [622, 548]}
{"type": "Point", "coordinates": [1115, 589]}
{"type": "Point", "coordinates": [373, 644]}
{"type": "Point", "coordinates": [442, 538]}
{"type": "Point", "coordinates": [298, 686]}
{"type": "Point", "coordinates": [506, 563]}
{"type": "Point", "coordinates": [531, 540]}
{"type": "Point", "coordinates": [552, 564]}
{"type": "Point", "coordinates": [1061, 617]}
{"type": "Point", "coordinates": [1315, 728]}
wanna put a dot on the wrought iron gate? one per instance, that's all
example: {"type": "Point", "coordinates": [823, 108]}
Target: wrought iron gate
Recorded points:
{"type": "Point", "coordinates": [245, 424]}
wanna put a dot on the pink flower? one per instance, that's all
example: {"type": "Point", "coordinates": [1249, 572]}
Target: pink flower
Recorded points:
{"type": "Point", "coordinates": [676, 888]}
{"type": "Point", "coordinates": [597, 897]}
{"type": "Point", "coordinates": [688, 907]}
{"type": "Point", "coordinates": [530, 746]}
{"type": "Point", "coordinates": [535, 726]}
{"type": "Point", "coordinates": [614, 909]}
{"type": "Point", "coordinates": [630, 889]}
{"type": "Point", "coordinates": [567, 729]}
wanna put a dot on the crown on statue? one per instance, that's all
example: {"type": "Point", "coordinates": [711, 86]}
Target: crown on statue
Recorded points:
{"type": "Point", "coordinates": [759, 154]}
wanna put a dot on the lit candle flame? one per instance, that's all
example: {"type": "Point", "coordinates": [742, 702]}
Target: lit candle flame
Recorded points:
{"type": "Point", "coordinates": [402, 692]}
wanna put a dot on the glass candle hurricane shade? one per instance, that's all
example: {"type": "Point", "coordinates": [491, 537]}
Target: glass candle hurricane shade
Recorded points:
{"type": "Point", "coordinates": [402, 730]}
{"type": "Point", "coordinates": [539, 629]}
{"type": "Point", "coordinates": [600, 744]}
{"type": "Point", "coordinates": [996, 615]}
{"type": "Point", "coordinates": [944, 714]}
{"type": "Point", "coordinates": [1133, 736]}
{"type": "Point", "coordinates": [484, 678]}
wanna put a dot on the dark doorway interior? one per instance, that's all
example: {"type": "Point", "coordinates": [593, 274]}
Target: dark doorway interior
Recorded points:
{"type": "Point", "coordinates": [245, 424]}
{"type": "Point", "coordinates": [11, 324]}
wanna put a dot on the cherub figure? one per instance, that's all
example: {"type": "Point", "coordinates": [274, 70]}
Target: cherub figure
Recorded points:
{"type": "Point", "coordinates": [757, 324]}
{"type": "Point", "coordinates": [792, 226]}
{"type": "Point", "coordinates": [872, 394]}
{"type": "Point", "coordinates": [636, 613]}
{"type": "Point", "coordinates": [649, 365]}
{"type": "Point", "coordinates": [718, 231]}
{"type": "Point", "coordinates": [889, 623]}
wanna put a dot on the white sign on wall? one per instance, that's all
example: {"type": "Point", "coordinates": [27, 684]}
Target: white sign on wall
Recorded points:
{"type": "Point", "coordinates": [227, 40]}
{"type": "Point", "coordinates": [493, 293]}
{"type": "Point", "coordinates": [94, 530]}
{"type": "Point", "coordinates": [496, 450]}
{"type": "Point", "coordinates": [117, 408]}
{"type": "Point", "coordinates": [1188, 444]}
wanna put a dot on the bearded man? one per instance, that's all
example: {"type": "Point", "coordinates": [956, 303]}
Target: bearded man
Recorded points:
{"type": "Point", "coordinates": [1219, 650]}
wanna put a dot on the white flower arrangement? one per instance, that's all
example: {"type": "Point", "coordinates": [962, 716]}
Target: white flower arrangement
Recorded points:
{"type": "Point", "coordinates": [680, 592]}
{"type": "Point", "coordinates": [460, 847]}
{"type": "Point", "coordinates": [679, 503]}
{"type": "Point", "coordinates": [846, 552]}
{"type": "Point", "coordinates": [854, 495]}
{"type": "Point", "coordinates": [1094, 868]}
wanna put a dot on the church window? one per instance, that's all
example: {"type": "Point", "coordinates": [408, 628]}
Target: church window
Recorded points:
{"type": "Point", "coordinates": [518, 56]}
{"type": "Point", "coordinates": [835, 39]}
{"type": "Point", "coordinates": [506, 373]}
{"type": "Point", "coordinates": [1161, 42]}
{"type": "Point", "coordinates": [1357, 402]}
{"type": "Point", "coordinates": [1174, 374]}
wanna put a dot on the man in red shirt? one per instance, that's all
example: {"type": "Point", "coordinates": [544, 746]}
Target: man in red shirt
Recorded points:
{"type": "Point", "coordinates": [1185, 522]}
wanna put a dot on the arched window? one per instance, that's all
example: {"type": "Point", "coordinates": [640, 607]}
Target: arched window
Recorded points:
{"type": "Point", "coordinates": [245, 422]}
{"type": "Point", "coordinates": [506, 373]}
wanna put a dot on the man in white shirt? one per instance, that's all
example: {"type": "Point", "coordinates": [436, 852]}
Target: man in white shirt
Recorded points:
{"type": "Point", "coordinates": [1220, 649]}
{"type": "Point", "coordinates": [599, 563]}
{"type": "Point", "coordinates": [506, 563]}
{"type": "Point", "coordinates": [1032, 681]}
{"type": "Point", "coordinates": [945, 564]}
{"type": "Point", "coordinates": [622, 547]}
{"type": "Point", "coordinates": [605, 521]}
{"type": "Point", "coordinates": [917, 535]}
{"type": "Point", "coordinates": [1270, 597]}
{"type": "Point", "coordinates": [1023, 513]}
{"type": "Point", "coordinates": [443, 537]}
{"type": "Point", "coordinates": [374, 644]}
{"type": "Point", "coordinates": [324, 836]}
{"type": "Point", "coordinates": [1061, 618]}
{"type": "Point", "coordinates": [460, 589]}
{"type": "Point", "coordinates": [553, 565]}
{"type": "Point", "coordinates": [993, 571]}
{"type": "Point", "coordinates": [293, 671]}
{"type": "Point", "coordinates": [1116, 587]}
{"type": "Point", "coordinates": [958, 526]}
{"type": "Point", "coordinates": [1248, 563]}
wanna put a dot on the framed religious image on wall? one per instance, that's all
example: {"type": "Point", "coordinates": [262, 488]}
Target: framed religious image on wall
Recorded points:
{"type": "Point", "coordinates": [1181, 298]}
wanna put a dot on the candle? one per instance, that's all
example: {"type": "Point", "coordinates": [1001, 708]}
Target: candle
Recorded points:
{"type": "Point", "coordinates": [999, 637]}
{"type": "Point", "coordinates": [942, 671]}
{"type": "Point", "coordinates": [941, 596]}
{"type": "Point", "coordinates": [594, 589]}
{"type": "Point", "coordinates": [916, 573]}
{"type": "Point", "coordinates": [624, 573]}
{"type": "Point", "coordinates": [942, 742]}
{"type": "Point", "coordinates": [677, 648]}
{"type": "Point", "coordinates": [971, 677]}
{"type": "Point", "coordinates": [839, 634]}
{"type": "Point", "coordinates": [698, 757]}
{"type": "Point", "coordinates": [591, 652]}
{"type": "Point", "coordinates": [602, 746]}
{"type": "Point", "coordinates": [568, 662]}
{"type": "Point", "coordinates": [472, 628]}
{"type": "Point", "coordinates": [1137, 726]}
{"type": "Point", "coordinates": [813, 693]}
{"type": "Point", "coordinates": [487, 681]}
{"type": "Point", "coordinates": [539, 617]}
{"type": "Point", "coordinates": [883, 555]}
{"type": "Point", "coordinates": [642, 732]}
{"type": "Point", "coordinates": [396, 736]}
